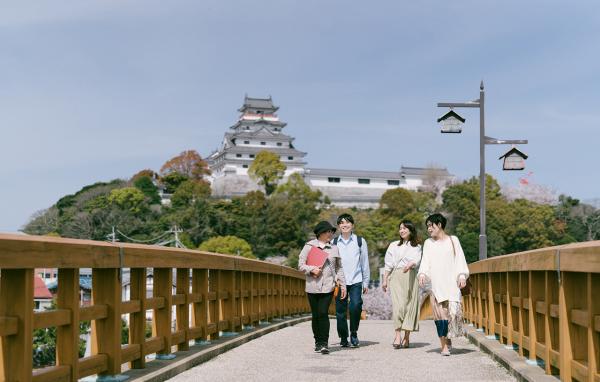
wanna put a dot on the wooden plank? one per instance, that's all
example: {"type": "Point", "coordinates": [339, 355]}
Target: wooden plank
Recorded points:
{"type": "Point", "coordinates": [580, 317]}
{"type": "Point", "coordinates": [131, 306]}
{"type": "Point", "coordinates": [211, 296]}
{"type": "Point", "coordinates": [597, 323]}
{"type": "Point", "coordinates": [52, 374]}
{"type": "Point", "coordinates": [16, 300]}
{"type": "Point", "coordinates": [214, 306]}
{"type": "Point", "coordinates": [195, 332]}
{"type": "Point", "coordinates": [137, 319]}
{"type": "Point", "coordinates": [106, 333]}
{"type": "Point", "coordinates": [161, 325]}
{"type": "Point", "coordinates": [179, 338]}
{"type": "Point", "coordinates": [566, 351]}
{"type": "Point", "coordinates": [67, 335]}
{"type": "Point", "coordinates": [130, 352]}
{"type": "Point", "coordinates": [194, 297]}
{"type": "Point", "coordinates": [516, 302]}
{"type": "Point", "coordinates": [156, 302]}
{"type": "Point", "coordinates": [51, 318]}
{"type": "Point", "coordinates": [200, 307]}
{"type": "Point", "coordinates": [93, 312]}
{"type": "Point", "coordinates": [183, 309]}
{"type": "Point", "coordinates": [154, 345]}
{"type": "Point", "coordinates": [579, 368]}
{"type": "Point", "coordinates": [8, 326]}
{"type": "Point", "coordinates": [91, 365]}
{"type": "Point", "coordinates": [540, 307]}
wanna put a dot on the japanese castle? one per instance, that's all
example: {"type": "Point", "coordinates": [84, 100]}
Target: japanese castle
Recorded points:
{"type": "Point", "coordinates": [259, 128]}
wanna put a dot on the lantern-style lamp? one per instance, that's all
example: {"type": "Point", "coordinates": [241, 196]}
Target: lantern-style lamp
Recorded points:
{"type": "Point", "coordinates": [451, 122]}
{"type": "Point", "coordinates": [514, 159]}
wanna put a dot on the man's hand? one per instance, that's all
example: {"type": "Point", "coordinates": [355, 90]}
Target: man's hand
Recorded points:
{"type": "Point", "coordinates": [316, 272]}
{"type": "Point", "coordinates": [461, 282]}
{"type": "Point", "coordinates": [365, 290]}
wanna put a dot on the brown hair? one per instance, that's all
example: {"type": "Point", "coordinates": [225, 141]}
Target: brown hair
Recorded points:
{"type": "Point", "coordinates": [414, 237]}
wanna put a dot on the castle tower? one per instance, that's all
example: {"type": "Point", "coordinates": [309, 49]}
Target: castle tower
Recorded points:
{"type": "Point", "coordinates": [258, 128]}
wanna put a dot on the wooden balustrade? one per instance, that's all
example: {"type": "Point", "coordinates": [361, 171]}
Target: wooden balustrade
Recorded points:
{"type": "Point", "coordinates": [545, 303]}
{"type": "Point", "coordinates": [219, 292]}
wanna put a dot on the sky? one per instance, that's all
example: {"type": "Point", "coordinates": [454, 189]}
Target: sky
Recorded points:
{"type": "Point", "coordinates": [97, 90]}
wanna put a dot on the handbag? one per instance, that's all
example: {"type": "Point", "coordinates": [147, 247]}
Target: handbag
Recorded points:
{"type": "Point", "coordinates": [466, 290]}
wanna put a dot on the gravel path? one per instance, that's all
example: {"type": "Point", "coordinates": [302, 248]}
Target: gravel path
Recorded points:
{"type": "Point", "coordinates": [286, 355]}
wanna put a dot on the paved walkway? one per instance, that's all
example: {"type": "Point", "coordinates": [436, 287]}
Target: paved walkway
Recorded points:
{"type": "Point", "coordinates": [287, 355]}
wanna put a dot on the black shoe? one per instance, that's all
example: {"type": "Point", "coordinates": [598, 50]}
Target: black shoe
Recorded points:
{"type": "Point", "coordinates": [324, 349]}
{"type": "Point", "coordinates": [318, 348]}
{"type": "Point", "coordinates": [354, 341]}
{"type": "Point", "coordinates": [344, 343]}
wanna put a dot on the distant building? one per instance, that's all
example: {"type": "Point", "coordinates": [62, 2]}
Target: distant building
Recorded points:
{"type": "Point", "coordinates": [42, 298]}
{"type": "Point", "coordinates": [259, 128]}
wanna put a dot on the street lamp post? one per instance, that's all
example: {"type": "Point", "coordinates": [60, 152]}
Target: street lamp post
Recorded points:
{"type": "Point", "coordinates": [483, 140]}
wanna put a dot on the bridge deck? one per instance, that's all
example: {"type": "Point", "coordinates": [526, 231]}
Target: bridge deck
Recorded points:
{"type": "Point", "coordinates": [286, 355]}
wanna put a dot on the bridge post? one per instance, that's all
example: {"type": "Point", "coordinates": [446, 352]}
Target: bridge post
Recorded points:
{"type": "Point", "coordinates": [163, 288]}
{"type": "Point", "coordinates": [237, 302]}
{"type": "Point", "coordinates": [566, 353]}
{"type": "Point", "coordinates": [200, 308]}
{"type": "Point", "coordinates": [214, 305]}
{"type": "Point", "coordinates": [16, 302]}
{"type": "Point", "coordinates": [137, 320]}
{"type": "Point", "coordinates": [521, 313]}
{"type": "Point", "coordinates": [106, 332]}
{"type": "Point", "coordinates": [183, 310]}
{"type": "Point", "coordinates": [67, 336]}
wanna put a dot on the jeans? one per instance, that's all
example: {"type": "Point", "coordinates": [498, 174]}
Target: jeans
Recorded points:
{"type": "Point", "coordinates": [319, 307]}
{"type": "Point", "coordinates": [356, 302]}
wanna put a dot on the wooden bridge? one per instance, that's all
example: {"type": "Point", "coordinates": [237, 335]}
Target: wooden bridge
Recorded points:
{"type": "Point", "coordinates": [541, 301]}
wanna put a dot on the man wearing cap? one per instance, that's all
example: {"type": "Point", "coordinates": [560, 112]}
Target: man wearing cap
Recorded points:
{"type": "Point", "coordinates": [321, 281]}
{"type": "Point", "coordinates": [355, 262]}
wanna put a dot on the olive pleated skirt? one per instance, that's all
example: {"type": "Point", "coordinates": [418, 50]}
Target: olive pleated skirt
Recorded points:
{"type": "Point", "coordinates": [405, 299]}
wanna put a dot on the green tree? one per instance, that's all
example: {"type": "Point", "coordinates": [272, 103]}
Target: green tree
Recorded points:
{"type": "Point", "coordinates": [190, 191]}
{"type": "Point", "coordinates": [172, 180]}
{"type": "Point", "coordinates": [267, 170]}
{"type": "Point", "coordinates": [129, 198]}
{"type": "Point", "coordinates": [231, 245]}
{"type": "Point", "coordinates": [146, 185]}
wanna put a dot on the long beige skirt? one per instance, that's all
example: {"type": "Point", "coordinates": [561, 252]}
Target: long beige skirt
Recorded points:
{"type": "Point", "coordinates": [405, 299]}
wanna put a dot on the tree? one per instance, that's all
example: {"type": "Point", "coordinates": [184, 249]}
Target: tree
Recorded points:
{"type": "Point", "coordinates": [128, 198]}
{"type": "Point", "coordinates": [145, 172]}
{"type": "Point", "coordinates": [146, 185]}
{"type": "Point", "coordinates": [267, 170]}
{"type": "Point", "coordinates": [172, 180]}
{"type": "Point", "coordinates": [397, 202]}
{"type": "Point", "coordinates": [43, 222]}
{"type": "Point", "coordinates": [190, 191]}
{"type": "Point", "coordinates": [231, 245]}
{"type": "Point", "coordinates": [188, 163]}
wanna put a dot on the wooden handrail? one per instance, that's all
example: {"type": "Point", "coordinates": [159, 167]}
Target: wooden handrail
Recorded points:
{"type": "Point", "coordinates": [225, 292]}
{"type": "Point", "coordinates": [545, 303]}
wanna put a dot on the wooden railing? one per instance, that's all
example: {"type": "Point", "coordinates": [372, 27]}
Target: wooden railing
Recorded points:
{"type": "Point", "coordinates": [220, 292]}
{"type": "Point", "coordinates": [544, 302]}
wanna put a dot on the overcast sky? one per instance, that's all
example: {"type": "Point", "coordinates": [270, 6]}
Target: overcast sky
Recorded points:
{"type": "Point", "coordinates": [96, 90]}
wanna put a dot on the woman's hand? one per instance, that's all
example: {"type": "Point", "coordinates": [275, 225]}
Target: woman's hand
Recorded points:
{"type": "Point", "coordinates": [344, 292]}
{"type": "Point", "coordinates": [408, 266]}
{"type": "Point", "coordinates": [384, 285]}
{"type": "Point", "coordinates": [422, 281]}
{"type": "Point", "coordinates": [316, 272]}
{"type": "Point", "coordinates": [462, 282]}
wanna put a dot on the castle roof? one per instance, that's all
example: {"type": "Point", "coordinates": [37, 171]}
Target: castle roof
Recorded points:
{"type": "Point", "coordinates": [258, 103]}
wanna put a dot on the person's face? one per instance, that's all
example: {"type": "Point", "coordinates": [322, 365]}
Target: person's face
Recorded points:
{"type": "Point", "coordinates": [404, 232]}
{"type": "Point", "coordinates": [434, 230]}
{"type": "Point", "coordinates": [326, 236]}
{"type": "Point", "coordinates": [345, 226]}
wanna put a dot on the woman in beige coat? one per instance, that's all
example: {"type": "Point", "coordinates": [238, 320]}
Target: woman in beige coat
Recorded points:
{"type": "Point", "coordinates": [400, 274]}
{"type": "Point", "coordinates": [321, 281]}
{"type": "Point", "coordinates": [444, 264]}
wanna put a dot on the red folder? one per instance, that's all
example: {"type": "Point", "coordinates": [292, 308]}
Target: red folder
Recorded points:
{"type": "Point", "coordinates": [316, 257]}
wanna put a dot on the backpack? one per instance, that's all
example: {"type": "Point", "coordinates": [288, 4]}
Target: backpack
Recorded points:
{"type": "Point", "coordinates": [358, 239]}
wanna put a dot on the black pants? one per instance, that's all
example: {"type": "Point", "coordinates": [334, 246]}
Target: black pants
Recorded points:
{"type": "Point", "coordinates": [319, 307]}
{"type": "Point", "coordinates": [356, 303]}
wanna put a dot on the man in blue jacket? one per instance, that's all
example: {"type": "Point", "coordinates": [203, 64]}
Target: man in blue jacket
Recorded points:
{"type": "Point", "coordinates": [355, 263]}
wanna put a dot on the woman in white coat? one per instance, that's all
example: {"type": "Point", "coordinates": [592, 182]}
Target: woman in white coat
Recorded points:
{"type": "Point", "coordinates": [444, 264]}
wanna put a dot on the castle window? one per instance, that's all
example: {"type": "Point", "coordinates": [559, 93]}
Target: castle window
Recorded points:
{"type": "Point", "coordinates": [279, 143]}
{"type": "Point", "coordinates": [263, 143]}
{"type": "Point", "coordinates": [251, 155]}
{"type": "Point", "coordinates": [245, 166]}
{"type": "Point", "coordinates": [290, 158]}
{"type": "Point", "coordinates": [364, 181]}
{"type": "Point", "coordinates": [247, 127]}
{"type": "Point", "coordinates": [238, 155]}
{"type": "Point", "coordinates": [333, 180]}
{"type": "Point", "coordinates": [246, 142]}
{"type": "Point", "coordinates": [393, 182]}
